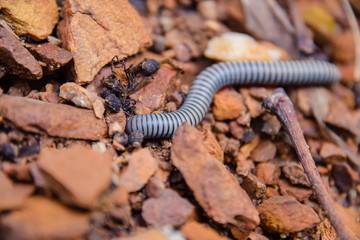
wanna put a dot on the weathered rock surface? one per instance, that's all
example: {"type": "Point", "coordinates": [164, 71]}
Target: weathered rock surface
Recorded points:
{"type": "Point", "coordinates": [54, 119]}
{"type": "Point", "coordinates": [228, 104]}
{"type": "Point", "coordinates": [13, 196]}
{"type": "Point", "coordinates": [286, 215]}
{"type": "Point", "coordinates": [268, 173]}
{"type": "Point", "coordinates": [18, 60]}
{"type": "Point", "coordinates": [53, 56]}
{"type": "Point", "coordinates": [153, 94]}
{"type": "Point", "coordinates": [300, 193]}
{"type": "Point", "coordinates": [78, 95]}
{"type": "Point", "coordinates": [77, 175]}
{"type": "Point", "coordinates": [216, 189]}
{"type": "Point", "coordinates": [142, 166]}
{"type": "Point", "coordinates": [168, 209]}
{"type": "Point", "coordinates": [42, 218]}
{"type": "Point", "coordinates": [36, 19]}
{"type": "Point", "coordinates": [264, 152]}
{"type": "Point", "coordinates": [193, 230]}
{"type": "Point", "coordinates": [97, 31]}
{"type": "Point", "coordinates": [151, 234]}
{"type": "Point", "coordinates": [296, 175]}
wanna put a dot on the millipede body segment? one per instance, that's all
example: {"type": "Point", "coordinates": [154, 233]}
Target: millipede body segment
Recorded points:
{"type": "Point", "coordinates": [218, 75]}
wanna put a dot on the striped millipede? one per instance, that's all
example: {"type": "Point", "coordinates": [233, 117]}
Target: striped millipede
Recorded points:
{"type": "Point", "coordinates": [221, 74]}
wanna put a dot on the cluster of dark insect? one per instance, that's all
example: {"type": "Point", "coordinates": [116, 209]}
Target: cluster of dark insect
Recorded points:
{"type": "Point", "coordinates": [116, 92]}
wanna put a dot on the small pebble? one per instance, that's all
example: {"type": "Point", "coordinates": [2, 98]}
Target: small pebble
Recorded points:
{"type": "Point", "coordinates": [170, 107]}
{"type": "Point", "coordinates": [149, 67]}
{"type": "Point", "coordinates": [120, 140]}
{"type": "Point", "coordinates": [182, 52]}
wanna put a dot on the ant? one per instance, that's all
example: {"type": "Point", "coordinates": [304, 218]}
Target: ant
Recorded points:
{"type": "Point", "coordinates": [146, 67]}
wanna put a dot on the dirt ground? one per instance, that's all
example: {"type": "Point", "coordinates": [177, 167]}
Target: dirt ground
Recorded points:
{"type": "Point", "coordinates": [73, 72]}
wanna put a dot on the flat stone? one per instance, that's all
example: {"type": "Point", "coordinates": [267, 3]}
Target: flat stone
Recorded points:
{"type": "Point", "coordinates": [17, 58]}
{"type": "Point", "coordinates": [211, 143]}
{"type": "Point", "coordinates": [268, 173]}
{"type": "Point", "coordinates": [57, 120]}
{"type": "Point", "coordinates": [77, 175]}
{"type": "Point", "coordinates": [168, 209]}
{"type": "Point", "coordinates": [286, 215]}
{"type": "Point", "coordinates": [96, 31]}
{"type": "Point", "coordinates": [253, 186]}
{"type": "Point", "coordinates": [42, 218]}
{"type": "Point", "coordinates": [264, 152]}
{"type": "Point", "coordinates": [34, 19]}
{"type": "Point", "coordinates": [215, 188]}
{"type": "Point", "coordinates": [53, 56]}
{"type": "Point", "coordinates": [153, 95]}
{"type": "Point", "coordinates": [192, 230]}
{"type": "Point", "coordinates": [78, 95]}
{"type": "Point", "coordinates": [151, 234]}
{"type": "Point", "coordinates": [294, 172]}
{"type": "Point", "coordinates": [142, 166]}
{"type": "Point", "coordinates": [332, 153]}
{"type": "Point", "coordinates": [228, 104]}
{"type": "Point", "coordinates": [300, 193]}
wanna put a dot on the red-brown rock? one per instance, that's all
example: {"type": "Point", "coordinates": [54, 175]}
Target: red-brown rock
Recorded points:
{"type": "Point", "coordinates": [151, 234]}
{"type": "Point", "coordinates": [193, 230]}
{"type": "Point", "coordinates": [78, 175]}
{"type": "Point", "coordinates": [228, 104]}
{"type": "Point", "coordinates": [142, 166]}
{"type": "Point", "coordinates": [264, 152]}
{"type": "Point", "coordinates": [36, 19]}
{"type": "Point", "coordinates": [294, 172]}
{"type": "Point", "coordinates": [253, 186]}
{"type": "Point", "coordinates": [332, 153]}
{"type": "Point", "coordinates": [286, 215]}
{"type": "Point", "coordinates": [216, 190]}
{"type": "Point", "coordinates": [168, 209]}
{"type": "Point", "coordinates": [19, 61]}
{"type": "Point", "coordinates": [53, 56]}
{"type": "Point", "coordinates": [97, 31]}
{"type": "Point", "coordinates": [42, 218]}
{"type": "Point", "coordinates": [53, 119]}
{"type": "Point", "coordinates": [268, 173]}
{"type": "Point", "coordinates": [153, 95]}
{"type": "Point", "coordinates": [345, 177]}
{"type": "Point", "coordinates": [211, 143]}
{"type": "Point", "coordinates": [300, 193]}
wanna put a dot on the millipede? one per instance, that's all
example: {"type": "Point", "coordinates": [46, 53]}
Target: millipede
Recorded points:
{"type": "Point", "coordinates": [218, 75]}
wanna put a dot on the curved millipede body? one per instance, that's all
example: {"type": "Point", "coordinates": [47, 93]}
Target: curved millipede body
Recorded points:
{"type": "Point", "coordinates": [228, 73]}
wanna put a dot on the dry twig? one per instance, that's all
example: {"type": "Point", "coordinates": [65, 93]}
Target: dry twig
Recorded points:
{"type": "Point", "coordinates": [280, 104]}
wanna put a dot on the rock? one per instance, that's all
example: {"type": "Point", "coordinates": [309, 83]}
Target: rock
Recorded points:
{"type": "Point", "coordinates": [13, 196]}
{"type": "Point", "coordinates": [34, 19]}
{"type": "Point", "coordinates": [271, 125]}
{"type": "Point", "coordinates": [17, 59]}
{"type": "Point", "coordinates": [300, 193]}
{"type": "Point", "coordinates": [347, 73]}
{"type": "Point", "coordinates": [78, 95]}
{"type": "Point", "coordinates": [42, 218]}
{"type": "Point", "coordinates": [264, 152]}
{"type": "Point", "coordinates": [18, 172]}
{"type": "Point", "coordinates": [349, 216]}
{"type": "Point", "coordinates": [253, 186]}
{"type": "Point", "coordinates": [193, 230]}
{"type": "Point", "coordinates": [142, 166]}
{"type": "Point", "coordinates": [155, 187]}
{"type": "Point", "coordinates": [151, 234]}
{"type": "Point", "coordinates": [211, 143]}
{"type": "Point", "coordinates": [294, 172]}
{"type": "Point", "coordinates": [207, 9]}
{"type": "Point", "coordinates": [254, 105]}
{"type": "Point", "coordinates": [268, 173]}
{"type": "Point", "coordinates": [168, 209]}
{"type": "Point", "coordinates": [344, 45]}
{"type": "Point", "coordinates": [236, 131]}
{"type": "Point", "coordinates": [53, 56]}
{"type": "Point", "coordinates": [57, 120]}
{"type": "Point", "coordinates": [95, 32]}
{"type": "Point", "coordinates": [345, 177]}
{"type": "Point", "coordinates": [332, 153]}
{"type": "Point", "coordinates": [228, 104]}
{"type": "Point", "coordinates": [286, 215]}
{"type": "Point", "coordinates": [221, 127]}
{"type": "Point", "coordinates": [234, 46]}
{"type": "Point", "coordinates": [215, 189]}
{"type": "Point", "coordinates": [116, 118]}
{"type": "Point", "coordinates": [77, 175]}
{"type": "Point", "coordinates": [153, 95]}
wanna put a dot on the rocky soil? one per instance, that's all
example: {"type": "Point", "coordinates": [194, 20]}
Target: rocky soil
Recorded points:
{"type": "Point", "coordinates": [72, 72]}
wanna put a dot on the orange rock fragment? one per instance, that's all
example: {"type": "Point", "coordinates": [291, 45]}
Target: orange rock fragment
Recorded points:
{"type": "Point", "coordinates": [228, 104]}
